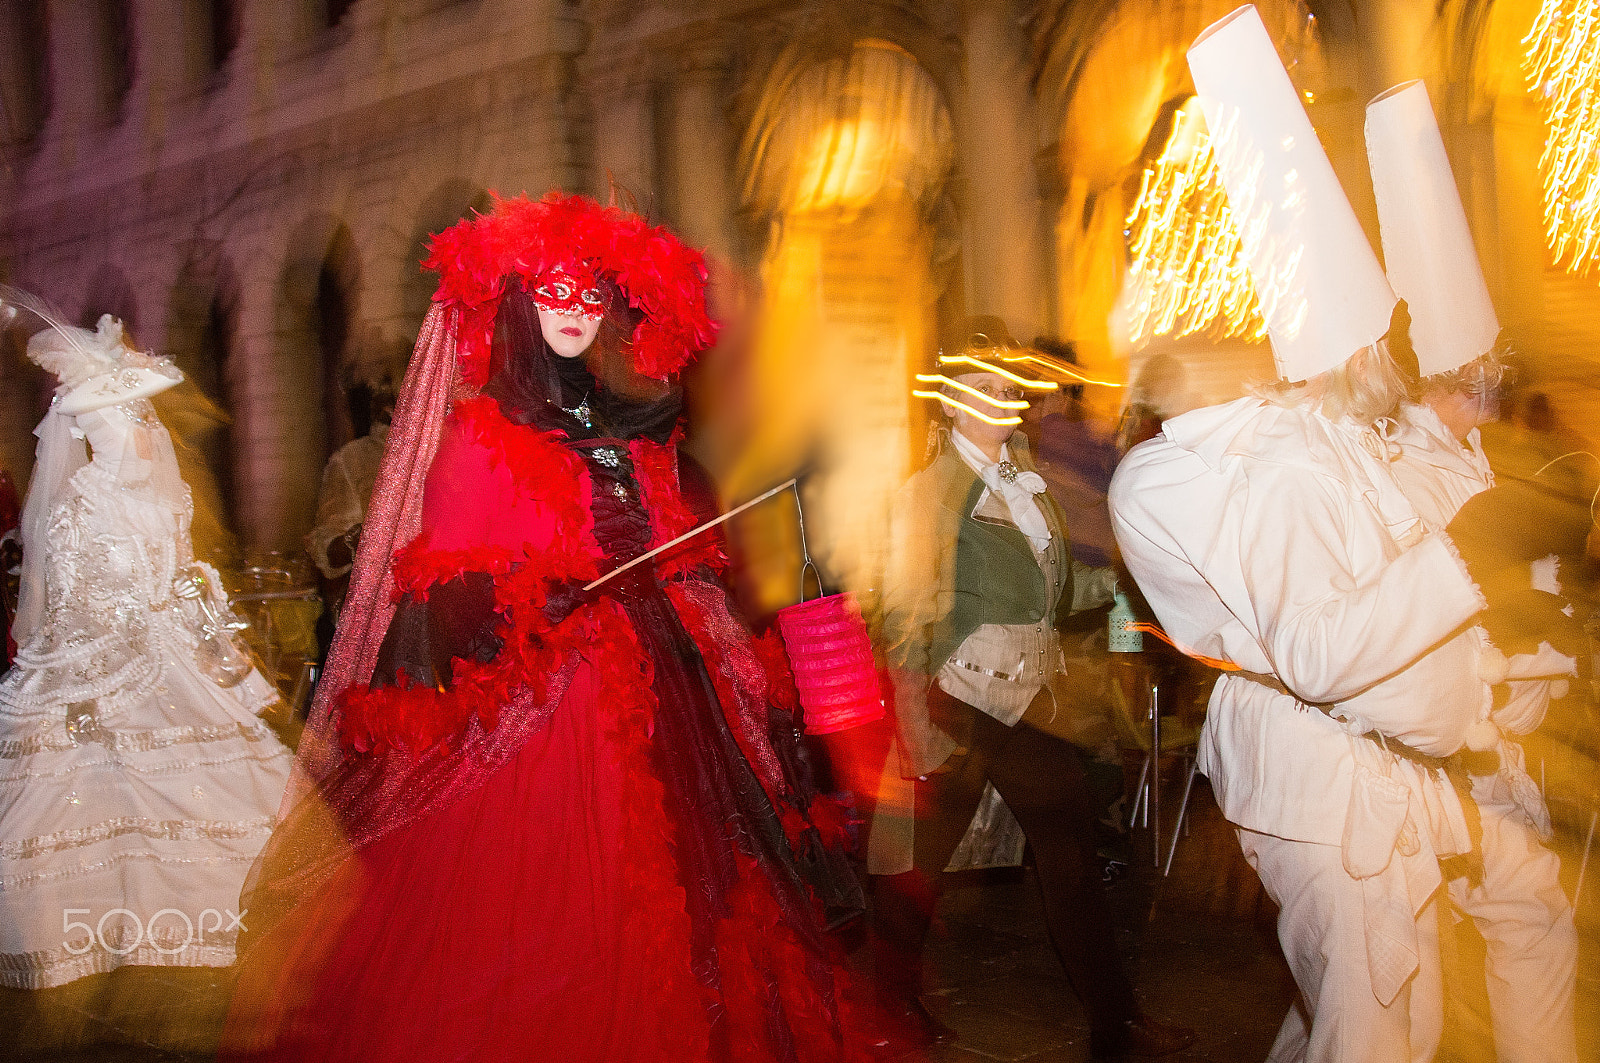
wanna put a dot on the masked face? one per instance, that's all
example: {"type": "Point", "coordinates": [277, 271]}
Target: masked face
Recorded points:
{"type": "Point", "coordinates": [570, 293]}
{"type": "Point", "coordinates": [569, 335]}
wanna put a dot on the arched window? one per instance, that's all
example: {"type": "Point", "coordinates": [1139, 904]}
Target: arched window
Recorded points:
{"type": "Point", "coordinates": [202, 314]}
{"type": "Point", "coordinates": [333, 312]}
{"type": "Point", "coordinates": [221, 31]}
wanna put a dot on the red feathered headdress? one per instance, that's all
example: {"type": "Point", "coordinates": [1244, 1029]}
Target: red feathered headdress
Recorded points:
{"type": "Point", "coordinates": [658, 274]}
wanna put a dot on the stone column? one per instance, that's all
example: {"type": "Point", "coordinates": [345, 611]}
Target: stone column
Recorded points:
{"type": "Point", "coordinates": [623, 91]}
{"type": "Point", "coordinates": [1002, 216]}
{"type": "Point", "coordinates": [275, 384]}
{"type": "Point", "coordinates": [702, 195]}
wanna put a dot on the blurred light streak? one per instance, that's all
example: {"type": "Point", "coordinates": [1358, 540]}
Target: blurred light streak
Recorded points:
{"type": "Point", "coordinates": [1218, 663]}
{"type": "Point", "coordinates": [988, 367]}
{"type": "Point", "coordinates": [1188, 272]}
{"type": "Point", "coordinates": [992, 400]}
{"type": "Point", "coordinates": [945, 397]}
{"type": "Point", "coordinates": [1562, 64]}
{"type": "Point", "coordinates": [1063, 368]}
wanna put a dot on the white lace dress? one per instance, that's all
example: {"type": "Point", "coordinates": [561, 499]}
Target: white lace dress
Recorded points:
{"type": "Point", "coordinates": [135, 787]}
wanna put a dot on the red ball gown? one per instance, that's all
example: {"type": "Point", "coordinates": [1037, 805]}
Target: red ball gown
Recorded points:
{"type": "Point", "coordinates": [561, 826]}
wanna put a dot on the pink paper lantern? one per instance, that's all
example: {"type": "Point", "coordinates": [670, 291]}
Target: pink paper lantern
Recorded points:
{"type": "Point", "coordinates": [832, 660]}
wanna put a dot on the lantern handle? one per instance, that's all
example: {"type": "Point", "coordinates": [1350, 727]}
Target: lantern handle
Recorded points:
{"type": "Point", "coordinates": [805, 550]}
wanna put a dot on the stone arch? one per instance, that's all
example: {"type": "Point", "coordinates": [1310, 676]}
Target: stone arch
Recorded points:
{"type": "Point", "coordinates": [394, 237]}
{"type": "Point", "coordinates": [1110, 77]}
{"type": "Point", "coordinates": [444, 205]}
{"type": "Point", "coordinates": [793, 41]}
{"type": "Point", "coordinates": [313, 319]}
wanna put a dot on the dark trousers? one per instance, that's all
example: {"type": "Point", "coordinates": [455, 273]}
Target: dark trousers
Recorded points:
{"type": "Point", "coordinates": [1042, 781]}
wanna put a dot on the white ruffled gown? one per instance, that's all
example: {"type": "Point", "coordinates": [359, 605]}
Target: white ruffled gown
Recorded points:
{"type": "Point", "coordinates": [135, 790]}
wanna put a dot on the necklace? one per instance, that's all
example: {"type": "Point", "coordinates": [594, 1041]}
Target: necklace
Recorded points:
{"type": "Point", "coordinates": [581, 412]}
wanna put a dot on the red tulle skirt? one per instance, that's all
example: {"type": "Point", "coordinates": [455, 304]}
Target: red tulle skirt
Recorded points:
{"type": "Point", "coordinates": [540, 917]}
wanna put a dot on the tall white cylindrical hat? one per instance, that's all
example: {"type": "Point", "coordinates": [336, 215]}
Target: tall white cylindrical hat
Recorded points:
{"type": "Point", "coordinates": [1320, 287]}
{"type": "Point", "coordinates": [1427, 244]}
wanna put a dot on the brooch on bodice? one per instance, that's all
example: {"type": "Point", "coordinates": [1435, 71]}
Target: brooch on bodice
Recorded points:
{"type": "Point", "coordinates": [610, 457]}
{"type": "Point", "coordinates": [1009, 472]}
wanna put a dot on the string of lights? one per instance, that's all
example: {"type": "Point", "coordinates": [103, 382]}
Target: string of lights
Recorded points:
{"type": "Point", "coordinates": [1562, 64]}
{"type": "Point", "coordinates": [1188, 272]}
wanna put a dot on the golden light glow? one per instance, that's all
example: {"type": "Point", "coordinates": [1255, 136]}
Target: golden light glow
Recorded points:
{"type": "Point", "coordinates": [1562, 63]}
{"type": "Point", "coordinates": [988, 367]}
{"type": "Point", "coordinates": [1188, 273]}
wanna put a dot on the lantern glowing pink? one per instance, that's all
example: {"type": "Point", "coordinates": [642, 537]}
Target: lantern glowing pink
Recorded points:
{"type": "Point", "coordinates": [832, 660]}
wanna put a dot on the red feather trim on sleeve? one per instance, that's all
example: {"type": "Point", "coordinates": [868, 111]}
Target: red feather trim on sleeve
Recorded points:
{"type": "Point", "coordinates": [417, 567]}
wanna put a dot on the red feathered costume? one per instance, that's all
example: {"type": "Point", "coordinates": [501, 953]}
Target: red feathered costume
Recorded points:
{"type": "Point", "coordinates": [534, 823]}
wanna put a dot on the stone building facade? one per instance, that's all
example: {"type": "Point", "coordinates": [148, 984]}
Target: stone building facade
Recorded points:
{"type": "Point", "coordinates": [249, 183]}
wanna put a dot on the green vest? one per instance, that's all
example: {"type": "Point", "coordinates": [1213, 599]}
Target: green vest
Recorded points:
{"type": "Point", "coordinates": [997, 579]}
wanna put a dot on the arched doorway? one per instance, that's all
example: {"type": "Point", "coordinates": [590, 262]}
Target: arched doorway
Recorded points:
{"type": "Point", "coordinates": [315, 310]}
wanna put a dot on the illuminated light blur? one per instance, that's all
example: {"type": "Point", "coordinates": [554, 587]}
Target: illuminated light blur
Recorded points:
{"type": "Point", "coordinates": [1218, 663]}
{"type": "Point", "coordinates": [958, 404]}
{"type": "Point", "coordinates": [988, 367]}
{"type": "Point", "coordinates": [1071, 372]}
{"type": "Point", "coordinates": [845, 159]}
{"type": "Point", "coordinates": [1004, 404]}
{"type": "Point", "coordinates": [1188, 273]}
{"type": "Point", "coordinates": [1562, 64]}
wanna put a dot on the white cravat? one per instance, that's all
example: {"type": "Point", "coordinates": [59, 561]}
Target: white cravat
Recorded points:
{"type": "Point", "coordinates": [1015, 488]}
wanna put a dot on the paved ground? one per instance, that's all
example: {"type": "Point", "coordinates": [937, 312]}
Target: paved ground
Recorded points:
{"type": "Point", "coordinates": [1200, 943]}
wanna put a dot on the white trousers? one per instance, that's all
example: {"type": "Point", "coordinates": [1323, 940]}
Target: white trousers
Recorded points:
{"type": "Point", "coordinates": [1322, 929]}
{"type": "Point", "coordinates": [1526, 922]}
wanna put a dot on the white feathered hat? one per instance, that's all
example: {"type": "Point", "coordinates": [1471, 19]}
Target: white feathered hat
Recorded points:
{"type": "Point", "coordinates": [98, 368]}
{"type": "Point", "coordinates": [1427, 245]}
{"type": "Point", "coordinates": [1320, 287]}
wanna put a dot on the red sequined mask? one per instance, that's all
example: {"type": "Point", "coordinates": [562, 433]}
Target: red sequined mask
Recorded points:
{"type": "Point", "coordinates": [576, 291]}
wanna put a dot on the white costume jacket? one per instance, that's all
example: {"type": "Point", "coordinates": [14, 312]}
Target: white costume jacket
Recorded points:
{"type": "Point", "coordinates": [1278, 540]}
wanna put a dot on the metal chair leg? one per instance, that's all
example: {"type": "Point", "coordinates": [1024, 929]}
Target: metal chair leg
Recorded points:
{"type": "Point", "coordinates": [1139, 795]}
{"type": "Point", "coordinates": [1183, 811]}
{"type": "Point", "coordinates": [1154, 803]}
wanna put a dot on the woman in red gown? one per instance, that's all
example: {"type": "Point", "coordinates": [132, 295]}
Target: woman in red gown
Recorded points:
{"type": "Point", "coordinates": [533, 822]}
